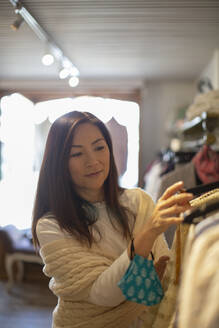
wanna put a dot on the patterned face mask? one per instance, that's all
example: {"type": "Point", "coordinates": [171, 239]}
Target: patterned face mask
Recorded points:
{"type": "Point", "coordinates": [141, 284]}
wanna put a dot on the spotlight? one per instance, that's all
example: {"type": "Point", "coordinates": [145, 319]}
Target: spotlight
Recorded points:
{"type": "Point", "coordinates": [74, 71]}
{"type": "Point", "coordinates": [48, 59]}
{"type": "Point", "coordinates": [54, 52]}
{"type": "Point", "coordinates": [66, 63]}
{"type": "Point", "coordinates": [17, 23]}
{"type": "Point", "coordinates": [73, 81]}
{"type": "Point", "coordinates": [64, 72]}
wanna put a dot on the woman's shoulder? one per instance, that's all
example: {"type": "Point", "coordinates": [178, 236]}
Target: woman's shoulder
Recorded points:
{"type": "Point", "coordinates": [132, 197]}
{"type": "Point", "coordinates": [47, 222]}
{"type": "Point", "coordinates": [48, 230]}
{"type": "Point", "coordinates": [135, 193]}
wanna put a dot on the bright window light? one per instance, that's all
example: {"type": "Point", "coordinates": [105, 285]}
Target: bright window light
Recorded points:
{"type": "Point", "coordinates": [18, 129]}
{"type": "Point", "coordinates": [125, 112]}
{"type": "Point", "coordinates": [18, 183]}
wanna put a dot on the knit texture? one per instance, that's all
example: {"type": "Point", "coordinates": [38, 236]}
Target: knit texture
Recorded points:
{"type": "Point", "coordinates": [74, 268]}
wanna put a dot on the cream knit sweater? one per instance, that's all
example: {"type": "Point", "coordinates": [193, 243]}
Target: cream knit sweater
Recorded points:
{"type": "Point", "coordinates": [74, 268]}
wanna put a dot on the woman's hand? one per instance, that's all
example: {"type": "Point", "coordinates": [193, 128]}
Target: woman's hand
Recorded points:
{"type": "Point", "coordinates": [168, 208]}
{"type": "Point", "coordinates": [166, 213]}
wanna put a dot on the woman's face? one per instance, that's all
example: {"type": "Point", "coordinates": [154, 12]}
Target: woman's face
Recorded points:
{"type": "Point", "coordinates": [89, 162]}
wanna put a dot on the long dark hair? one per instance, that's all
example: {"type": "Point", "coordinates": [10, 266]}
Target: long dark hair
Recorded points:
{"type": "Point", "coordinates": [55, 192]}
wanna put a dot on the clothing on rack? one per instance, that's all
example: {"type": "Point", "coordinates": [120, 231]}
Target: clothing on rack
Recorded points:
{"type": "Point", "coordinates": [198, 304]}
{"type": "Point", "coordinates": [152, 179]}
{"type": "Point", "coordinates": [206, 163]}
{"type": "Point", "coordinates": [207, 102]}
{"type": "Point", "coordinates": [156, 185]}
{"type": "Point", "coordinates": [203, 188]}
{"type": "Point", "coordinates": [203, 205]}
{"type": "Point", "coordinates": [185, 172]}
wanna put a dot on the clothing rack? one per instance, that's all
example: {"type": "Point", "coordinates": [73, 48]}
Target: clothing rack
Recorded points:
{"type": "Point", "coordinates": [196, 214]}
{"type": "Point", "coordinates": [200, 214]}
{"type": "Point", "coordinates": [203, 188]}
{"type": "Point", "coordinates": [199, 131]}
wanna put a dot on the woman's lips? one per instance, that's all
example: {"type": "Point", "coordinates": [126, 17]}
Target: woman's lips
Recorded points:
{"type": "Point", "coordinates": [93, 174]}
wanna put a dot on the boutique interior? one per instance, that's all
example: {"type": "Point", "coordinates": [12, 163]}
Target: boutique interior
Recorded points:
{"type": "Point", "coordinates": [150, 71]}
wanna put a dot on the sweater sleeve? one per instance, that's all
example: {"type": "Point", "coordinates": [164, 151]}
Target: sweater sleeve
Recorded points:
{"type": "Point", "coordinates": [104, 291]}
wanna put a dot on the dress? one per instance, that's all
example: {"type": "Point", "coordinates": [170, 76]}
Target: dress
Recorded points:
{"type": "Point", "coordinates": [103, 291]}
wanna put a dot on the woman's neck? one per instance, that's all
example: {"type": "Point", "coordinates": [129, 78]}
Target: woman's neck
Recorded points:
{"type": "Point", "coordinates": [92, 197]}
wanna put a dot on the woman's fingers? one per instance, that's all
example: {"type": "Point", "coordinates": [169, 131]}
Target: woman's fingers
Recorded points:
{"type": "Point", "coordinates": [179, 199]}
{"type": "Point", "coordinates": [174, 210]}
{"type": "Point", "coordinates": [168, 208]}
{"type": "Point", "coordinates": [176, 187]}
{"type": "Point", "coordinates": [166, 222]}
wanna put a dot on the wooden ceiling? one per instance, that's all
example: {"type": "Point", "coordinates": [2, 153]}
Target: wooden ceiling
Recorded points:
{"type": "Point", "coordinates": [116, 40]}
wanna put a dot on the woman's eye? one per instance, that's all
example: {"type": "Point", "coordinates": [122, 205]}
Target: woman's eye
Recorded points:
{"type": "Point", "coordinates": [99, 148]}
{"type": "Point", "coordinates": [76, 155]}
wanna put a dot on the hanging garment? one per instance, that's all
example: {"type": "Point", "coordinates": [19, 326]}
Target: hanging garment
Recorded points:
{"type": "Point", "coordinates": [184, 172]}
{"type": "Point", "coordinates": [206, 163]}
{"type": "Point", "coordinates": [167, 315]}
{"type": "Point", "coordinates": [207, 102]}
{"type": "Point", "coordinates": [198, 304]}
{"type": "Point", "coordinates": [152, 180]}
{"type": "Point", "coordinates": [119, 136]}
{"type": "Point", "coordinates": [165, 312]}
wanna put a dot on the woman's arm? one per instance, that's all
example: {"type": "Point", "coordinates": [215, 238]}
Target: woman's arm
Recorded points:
{"type": "Point", "coordinates": [166, 213]}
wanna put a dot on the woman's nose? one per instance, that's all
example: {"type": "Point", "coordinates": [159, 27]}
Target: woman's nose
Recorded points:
{"type": "Point", "coordinates": [91, 159]}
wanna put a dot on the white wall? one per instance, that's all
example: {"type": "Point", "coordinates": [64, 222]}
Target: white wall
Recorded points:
{"type": "Point", "coordinates": [212, 70]}
{"type": "Point", "coordinates": [160, 101]}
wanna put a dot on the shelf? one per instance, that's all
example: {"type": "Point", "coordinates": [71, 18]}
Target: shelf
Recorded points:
{"type": "Point", "coordinates": [197, 124]}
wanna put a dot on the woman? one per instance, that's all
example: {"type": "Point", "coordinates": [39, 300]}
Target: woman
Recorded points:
{"type": "Point", "coordinates": [90, 231]}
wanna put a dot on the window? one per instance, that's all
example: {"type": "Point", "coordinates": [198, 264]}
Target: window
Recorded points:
{"type": "Point", "coordinates": [24, 128]}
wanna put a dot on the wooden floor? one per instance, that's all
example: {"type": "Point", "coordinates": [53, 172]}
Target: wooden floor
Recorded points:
{"type": "Point", "coordinates": [27, 306]}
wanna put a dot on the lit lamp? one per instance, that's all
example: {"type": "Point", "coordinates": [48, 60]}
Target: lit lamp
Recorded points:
{"type": "Point", "coordinates": [47, 58]}
{"type": "Point", "coordinates": [73, 81]}
{"type": "Point", "coordinates": [63, 73]}
{"type": "Point", "coordinates": [52, 49]}
{"type": "Point", "coordinates": [67, 68]}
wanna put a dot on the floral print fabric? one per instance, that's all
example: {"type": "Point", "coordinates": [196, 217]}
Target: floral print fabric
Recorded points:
{"type": "Point", "coordinates": [141, 283]}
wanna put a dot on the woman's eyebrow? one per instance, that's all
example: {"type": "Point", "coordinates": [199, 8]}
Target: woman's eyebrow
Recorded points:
{"type": "Point", "coordinates": [93, 143]}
